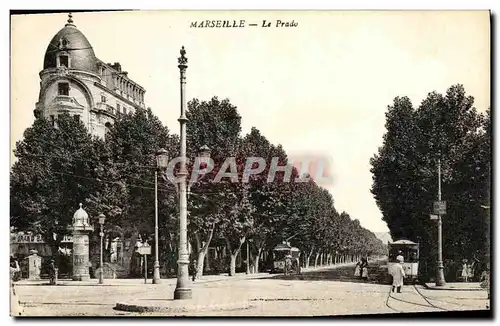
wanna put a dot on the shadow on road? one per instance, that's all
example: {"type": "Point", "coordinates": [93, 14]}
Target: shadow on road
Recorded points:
{"type": "Point", "coordinates": [377, 274]}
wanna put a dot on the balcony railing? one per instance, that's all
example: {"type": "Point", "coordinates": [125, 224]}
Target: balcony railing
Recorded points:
{"type": "Point", "coordinates": [106, 108]}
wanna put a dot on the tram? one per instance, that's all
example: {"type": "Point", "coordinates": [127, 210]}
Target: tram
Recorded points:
{"type": "Point", "coordinates": [410, 252]}
{"type": "Point", "coordinates": [286, 259]}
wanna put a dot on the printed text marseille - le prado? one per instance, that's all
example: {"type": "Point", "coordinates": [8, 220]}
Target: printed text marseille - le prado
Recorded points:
{"type": "Point", "coordinates": [241, 23]}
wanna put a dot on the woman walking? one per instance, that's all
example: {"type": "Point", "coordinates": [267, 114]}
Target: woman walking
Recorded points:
{"type": "Point", "coordinates": [364, 269]}
{"type": "Point", "coordinates": [357, 270]}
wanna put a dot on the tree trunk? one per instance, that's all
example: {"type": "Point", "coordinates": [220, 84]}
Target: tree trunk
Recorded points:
{"type": "Point", "coordinates": [207, 261]}
{"type": "Point", "coordinates": [316, 259]}
{"type": "Point", "coordinates": [309, 257]}
{"type": "Point", "coordinates": [202, 248]}
{"type": "Point", "coordinates": [130, 254]}
{"type": "Point", "coordinates": [233, 252]}
{"type": "Point", "coordinates": [255, 263]}
{"type": "Point", "coordinates": [232, 265]}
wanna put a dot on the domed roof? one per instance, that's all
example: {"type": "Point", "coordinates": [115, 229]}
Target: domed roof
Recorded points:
{"type": "Point", "coordinates": [72, 41]}
{"type": "Point", "coordinates": [80, 217]}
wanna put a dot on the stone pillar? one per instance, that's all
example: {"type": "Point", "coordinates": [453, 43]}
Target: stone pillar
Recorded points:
{"type": "Point", "coordinates": [81, 261]}
{"type": "Point", "coordinates": [81, 230]}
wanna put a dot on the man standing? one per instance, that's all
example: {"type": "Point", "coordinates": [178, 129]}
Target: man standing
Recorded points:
{"type": "Point", "coordinates": [52, 272]}
{"type": "Point", "coordinates": [398, 274]}
{"type": "Point", "coordinates": [193, 268]}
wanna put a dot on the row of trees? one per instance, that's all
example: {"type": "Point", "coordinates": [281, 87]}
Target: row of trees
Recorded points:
{"type": "Point", "coordinates": [446, 128]}
{"type": "Point", "coordinates": [59, 167]}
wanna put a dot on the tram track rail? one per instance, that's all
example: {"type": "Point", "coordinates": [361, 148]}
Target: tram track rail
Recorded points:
{"type": "Point", "coordinates": [427, 303]}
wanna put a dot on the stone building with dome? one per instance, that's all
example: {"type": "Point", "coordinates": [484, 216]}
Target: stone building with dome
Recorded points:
{"type": "Point", "coordinates": [75, 81]}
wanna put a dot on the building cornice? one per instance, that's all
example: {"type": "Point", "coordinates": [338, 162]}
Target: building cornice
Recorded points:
{"type": "Point", "coordinates": [68, 71]}
{"type": "Point", "coordinates": [118, 73]}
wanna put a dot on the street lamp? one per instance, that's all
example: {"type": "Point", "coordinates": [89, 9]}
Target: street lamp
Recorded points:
{"type": "Point", "coordinates": [102, 218]}
{"type": "Point", "coordinates": [161, 164]}
{"type": "Point", "coordinates": [182, 291]}
{"type": "Point", "coordinates": [204, 151]}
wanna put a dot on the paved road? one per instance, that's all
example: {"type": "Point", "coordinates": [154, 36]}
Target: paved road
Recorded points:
{"type": "Point", "coordinates": [312, 294]}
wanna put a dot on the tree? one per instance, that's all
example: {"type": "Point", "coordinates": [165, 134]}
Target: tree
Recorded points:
{"type": "Point", "coordinates": [268, 198]}
{"type": "Point", "coordinates": [56, 170]}
{"type": "Point", "coordinates": [216, 124]}
{"type": "Point", "coordinates": [131, 144]}
{"type": "Point", "coordinates": [446, 128]}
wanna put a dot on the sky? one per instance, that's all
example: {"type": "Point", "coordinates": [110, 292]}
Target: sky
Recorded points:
{"type": "Point", "coordinates": [321, 88]}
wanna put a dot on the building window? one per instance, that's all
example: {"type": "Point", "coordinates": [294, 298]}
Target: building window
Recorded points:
{"type": "Point", "coordinates": [103, 99]}
{"type": "Point", "coordinates": [107, 125]}
{"type": "Point", "coordinates": [64, 61]}
{"type": "Point", "coordinates": [63, 89]}
{"type": "Point", "coordinates": [53, 120]}
{"type": "Point", "coordinates": [124, 110]}
{"type": "Point", "coordinates": [118, 107]}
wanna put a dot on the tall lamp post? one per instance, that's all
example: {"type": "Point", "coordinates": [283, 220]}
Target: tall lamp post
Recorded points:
{"type": "Point", "coordinates": [161, 164]}
{"type": "Point", "coordinates": [440, 281]}
{"type": "Point", "coordinates": [182, 291]}
{"type": "Point", "coordinates": [102, 218]}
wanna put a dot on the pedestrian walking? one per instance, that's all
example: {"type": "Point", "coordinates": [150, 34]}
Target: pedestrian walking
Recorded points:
{"type": "Point", "coordinates": [15, 307]}
{"type": "Point", "coordinates": [357, 270]}
{"type": "Point", "coordinates": [465, 270]}
{"type": "Point", "coordinates": [364, 269]}
{"type": "Point", "coordinates": [398, 275]}
{"type": "Point", "coordinates": [192, 269]}
{"type": "Point", "coordinates": [52, 272]}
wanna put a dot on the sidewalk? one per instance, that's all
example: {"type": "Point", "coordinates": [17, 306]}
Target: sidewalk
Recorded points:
{"type": "Point", "coordinates": [461, 286]}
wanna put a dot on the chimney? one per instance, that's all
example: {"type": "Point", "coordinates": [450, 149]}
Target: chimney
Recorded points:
{"type": "Point", "coordinates": [117, 66]}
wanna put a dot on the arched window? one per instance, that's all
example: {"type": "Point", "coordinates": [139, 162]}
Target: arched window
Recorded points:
{"type": "Point", "coordinates": [107, 126]}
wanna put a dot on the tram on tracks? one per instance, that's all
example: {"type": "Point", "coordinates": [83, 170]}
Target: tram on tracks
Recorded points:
{"type": "Point", "coordinates": [410, 252]}
{"type": "Point", "coordinates": [286, 259]}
